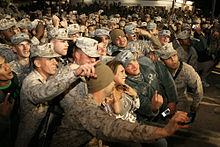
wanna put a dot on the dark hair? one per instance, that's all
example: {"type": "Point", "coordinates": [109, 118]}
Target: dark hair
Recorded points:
{"type": "Point", "coordinates": [114, 65]}
{"type": "Point", "coordinates": [99, 39]}
{"type": "Point", "coordinates": [71, 49]}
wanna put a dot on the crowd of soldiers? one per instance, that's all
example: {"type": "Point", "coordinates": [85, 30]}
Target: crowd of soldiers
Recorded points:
{"type": "Point", "coordinates": [80, 76]}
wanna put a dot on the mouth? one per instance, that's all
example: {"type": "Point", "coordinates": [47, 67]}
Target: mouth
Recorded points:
{"type": "Point", "coordinates": [10, 73]}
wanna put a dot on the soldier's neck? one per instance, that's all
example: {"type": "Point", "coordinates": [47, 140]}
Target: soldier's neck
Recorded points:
{"type": "Point", "coordinates": [24, 61]}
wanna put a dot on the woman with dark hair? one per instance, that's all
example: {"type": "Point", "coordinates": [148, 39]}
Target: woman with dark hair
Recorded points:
{"type": "Point", "coordinates": [124, 100]}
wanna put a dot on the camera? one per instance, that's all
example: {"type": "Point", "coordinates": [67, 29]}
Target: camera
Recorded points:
{"type": "Point", "coordinates": [74, 12]}
{"type": "Point", "coordinates": [191, 116]}
{"type": "Point", "coordinates": [166, 112]}
{"type": "Point", "coordinates": [194, 26]}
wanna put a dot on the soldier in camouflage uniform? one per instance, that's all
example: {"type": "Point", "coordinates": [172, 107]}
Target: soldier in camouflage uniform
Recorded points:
{"type": "Point", "coordinates": [6, 32]}
{"type": "Point", "coordinates": [85, 53]}
{"type": "Point", "coordinates": [38, 89]}
{"type": "Point", "coordinates": [144, 77]}
{"type": "Point", "coordinates": [87, 120]}
{"type": "Point", "coordinates": [22, 65]}
{"type": "Point", "coordinates": [186, 52]}
{"type": "Point", "coordinates": [143, 47]}
{"type": "Point", "coordinates": [184, 76]}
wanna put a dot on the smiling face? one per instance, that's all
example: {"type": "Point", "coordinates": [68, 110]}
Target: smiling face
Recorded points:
{"type": "Point", "coordinates": [133, 68]}
{"type": "Point", "coordinates": [121, 41]}
{"type": "Point", "coordinates": [164, 40]}
{"type": "Point", "coordinates": [120, 75]}
{"type": "Point", "coordinates": [5, 70]}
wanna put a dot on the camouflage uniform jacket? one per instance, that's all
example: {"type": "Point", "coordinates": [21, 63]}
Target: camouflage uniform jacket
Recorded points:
{"type": "Point", "coordinates": [7, 53]}
{"type": "Point", "coordinates": [86, 120]}
{"type": "Point", "coordinates": [144, 47]}
{"type": "Point", "coordinates": [188, 77]}
{"type": "Point", "coordinates": [35, 94]}
{"type": "Point", "coordinates": [20, 70]}
{"type": "Point", "coordinates": [189, 57]}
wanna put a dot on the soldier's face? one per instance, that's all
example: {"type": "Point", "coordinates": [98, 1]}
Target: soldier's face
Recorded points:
{"type": "Point", "coordinates": [172, 62]}
{"type": "Point", "coordinates": [185, 42]}
{"type": "Point", "coordinates": [164, 39]}
{"type": "Point", "coordinates": [121, 41]}
{"type": "Point", "coordinates": [133, 68]}
{"type": "Point", "coordinates": [60, 46]}
{"type": "Point", "coordinates": [102, 50]}
{"type": "Point", "coordinates": [8, 33]}
{"type": "Point", "coordinates": [5, 70]}
{"type": "Point", "coordinates": [46, 66]}
{"type": "Point", "coordinates": [120, 75]}
{"type": "Point", "coordinates": [104, 39]}
{"type": "Point", "coordinates": [81, 58]}
{"type": "Point", "coordinates": [23, 49]}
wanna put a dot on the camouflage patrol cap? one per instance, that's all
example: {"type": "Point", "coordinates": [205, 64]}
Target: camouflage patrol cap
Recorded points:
{"type": "Point", "coordinates": [82, 16]}
{"type": "Point", "coordinates": [151, 26]}
{"type": "Point", "coordinates": [73, 29]}
{"type": "Point", "coordinates": [189, 21]}
{"type": "Point", "coordinates": [112, 21]}
{"type": "Point", "coordinates": [166, 51]}
{"type": "Point", "coordinates": [130, 29]}
{"type": "Point", "coordinates": [7, 23]}
{"type": "Point", "coordinates": [135, 15]}
{"type": "Point", "coordinates": [125, 57]}
{"type": "Point", "coordinates": [183, 35]}
{"type": "Point", "coordinates": [61, 34]}
{"type": "Point", "coordinates": [45, 50]}
{"type": "Point", "coordinates": [105, 77]}
{"type": "Point", "coordinates": [24, 24]}
{"type": "Point", "coordinates": [98, 32]}
{"type": "Point", "coordinates": [196, 20]}
{"type": "Point", "coordinates": [164, 33]}
{"type": "Point", "coordinates": [147, 15]}
{"type": "Point", "coordinates": [18, 38]}
{"type": "Point", "coordinates": [143, 24]}
{"type": "Point", "coordinates": [117, 15]}
{"type": "Point", "coordinates": [185, 26]}
{"type": "Point", "coordinates": [88, 46]}
{"type": "Point", "coordinates": [158, 19]}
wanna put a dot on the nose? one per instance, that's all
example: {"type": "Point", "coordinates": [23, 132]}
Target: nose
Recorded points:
{"type": "Point", "coordinates": [54, 61]}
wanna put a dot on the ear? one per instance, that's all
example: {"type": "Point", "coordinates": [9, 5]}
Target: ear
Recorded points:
{"type": "Point", "coordinates": [14, 49]}
{"type": "Point", "coordinates": [37, 63]}
{"type": "Point", "coordinates": [77, 55]}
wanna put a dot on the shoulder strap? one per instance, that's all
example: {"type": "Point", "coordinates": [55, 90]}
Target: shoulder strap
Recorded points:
{"type": "Point", "coordinates": [179, 69]}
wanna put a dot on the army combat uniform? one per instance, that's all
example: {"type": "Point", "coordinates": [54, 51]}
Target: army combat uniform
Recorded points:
{"type": "Point", "coordinates": [188, 77]}
{"type": "Point", "coordinates": [86, 120]}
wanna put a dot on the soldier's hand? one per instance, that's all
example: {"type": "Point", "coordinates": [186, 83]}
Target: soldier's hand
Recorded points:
{"type": "Point", "coordinates": [174, 123]}
{"type": "Point", "coordinates": [172, 107]}
{"type": "Point", "coordinates": [157, 101]}
{"type": "Point", "coordinates": [87, 70]}
{"type": "Point", "coordinates": [56, 21]}
{"type": "Point", "coordinates": [64, 23]}
{"type": "Point", "coordinates": [39, 30]}
{"type": "Point", "coordinates": [130, 91]}
{"type": "Point", "coordinates": [6, 107]}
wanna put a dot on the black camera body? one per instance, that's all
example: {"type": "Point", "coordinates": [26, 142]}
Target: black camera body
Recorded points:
{"type": "Point", "coordinates": [191, 116]}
